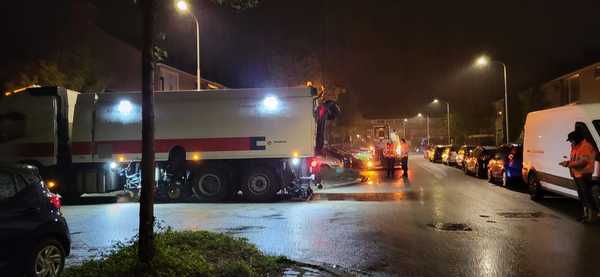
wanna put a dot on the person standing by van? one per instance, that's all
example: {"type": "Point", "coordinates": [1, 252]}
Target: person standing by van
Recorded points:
{"type": "Point", "coordinates": [404, 148]}
{"type": "Point", "coordinates": [581, 165]}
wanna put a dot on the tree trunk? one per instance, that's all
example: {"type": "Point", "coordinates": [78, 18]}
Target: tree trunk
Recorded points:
{"type": "Point", "coordinates": [146, 231]}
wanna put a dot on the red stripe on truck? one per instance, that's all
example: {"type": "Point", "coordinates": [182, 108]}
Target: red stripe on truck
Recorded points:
{"type": "Point", "coordinates": [164, 145]}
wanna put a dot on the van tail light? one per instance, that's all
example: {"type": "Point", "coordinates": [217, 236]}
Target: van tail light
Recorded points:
{"type": "Point", "coordinates": [54, 200]}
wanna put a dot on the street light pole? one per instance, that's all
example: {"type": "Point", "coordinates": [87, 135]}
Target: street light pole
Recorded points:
{"type": "Point", "coordinates": [183, 6]}
{"type": "Point", "coordinates": [198, 78]}
{"type": "Point", "coordinates": [505, 100]}
{"type": "Point", "coordinates": [428, 142]}
{"type": "Point", "coordinates": [436, 101]}
{"type": "Point", "coordinates": [448, 113]}
{"type": "Point", "coordinates": [484, 61]}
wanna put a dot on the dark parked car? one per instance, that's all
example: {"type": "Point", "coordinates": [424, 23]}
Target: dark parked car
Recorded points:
{"type": "Point", "coordinates": [463, 153]}
{"type": "Point", "coordinates": [34, 236]}
{"type": "Point", "coordinates": [505, 167]}
{"type": "Point", "coordinates": [437, 152]}
{"type": "Point", "coordinates": [477, 162]}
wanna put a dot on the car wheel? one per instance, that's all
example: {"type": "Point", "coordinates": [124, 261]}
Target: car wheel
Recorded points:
{"type": "Point", "coordinates": [259, 184]}
{"type": "Point", "coordinates": [47, 259]}
{"type": "Point", "coordinates": [211, 185]}
{"type": "Point", "coordinates": [491, 179]}
{"type": "Point", "coordinates": [505, 181]}
{"type": "Point", "coordinates": [535, 189]}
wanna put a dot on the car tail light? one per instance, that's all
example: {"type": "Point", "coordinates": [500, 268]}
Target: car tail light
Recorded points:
{"type": "Point", "coordinates": [54, 200]}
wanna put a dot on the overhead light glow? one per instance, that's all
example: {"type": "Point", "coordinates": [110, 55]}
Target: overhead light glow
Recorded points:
{"type": "Point", "coordinates": [113, 165]}
{"type": "Point", "coordinates": [482, 61]}
{"type": "Point", "coordinates": [182, 6]}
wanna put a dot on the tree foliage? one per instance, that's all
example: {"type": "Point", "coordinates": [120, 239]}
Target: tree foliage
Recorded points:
{"type": "Point", "coordinates": [238, 4]}
{"type": "Point", "coordinates": [74, 68]}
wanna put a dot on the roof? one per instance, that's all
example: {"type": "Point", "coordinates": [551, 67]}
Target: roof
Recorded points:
{"type": "Point", "coordinates": [18, 168]}
{"type": "Point", "coordinates": [567, 75]}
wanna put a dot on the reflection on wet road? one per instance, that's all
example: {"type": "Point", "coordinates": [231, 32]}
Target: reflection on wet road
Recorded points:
{"type": "Point", "coordinates": [436, 222]}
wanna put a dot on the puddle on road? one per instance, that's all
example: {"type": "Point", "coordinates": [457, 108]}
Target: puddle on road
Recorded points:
{"type": "Point", "coordinates": [522, 214]}
{"type": "Point", "coordinates": [240, 229]}
{"type": "Point", "coordinates": [371, 196]}
{"type": "Point", "coordinates": [457, 227]}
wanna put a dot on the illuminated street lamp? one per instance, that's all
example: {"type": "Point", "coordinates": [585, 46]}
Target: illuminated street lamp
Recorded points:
{"type": "Point", "coordinates": [183, 6]}
{"type": "Point", "coordinates": [436, 101]}
{"type": "Point", "coordinates": [484, 61]}
{"type": "Point", "coordinates": [421, 115]}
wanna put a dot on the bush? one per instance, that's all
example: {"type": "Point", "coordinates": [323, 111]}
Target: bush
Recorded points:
{"type": "Point", "coordinates": [185, 253]}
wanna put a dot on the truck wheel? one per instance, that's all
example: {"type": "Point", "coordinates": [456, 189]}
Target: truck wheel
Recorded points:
{"type": "Point", "coordinates": [535, 189]}
{"type": "Point", "coordinates": [259, 185]}
{"type": "Point", "coordinates": [211, 185]}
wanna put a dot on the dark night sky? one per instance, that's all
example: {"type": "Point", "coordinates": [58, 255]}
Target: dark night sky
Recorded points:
{"type": "Point", "coordinates": [395, 56]}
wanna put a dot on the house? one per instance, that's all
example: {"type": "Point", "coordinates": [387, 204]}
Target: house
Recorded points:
{"type": "Point", "coordinates": [581, 86]}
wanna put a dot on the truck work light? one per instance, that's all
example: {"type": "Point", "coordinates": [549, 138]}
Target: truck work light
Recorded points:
{"type": "Point", "coordinates": [270, 103]}
{"type": "Point", "coordinates": [125, 107]}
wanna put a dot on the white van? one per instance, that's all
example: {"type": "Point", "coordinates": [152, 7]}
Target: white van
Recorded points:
{"type": "Point", "coordinates": [545, 146]}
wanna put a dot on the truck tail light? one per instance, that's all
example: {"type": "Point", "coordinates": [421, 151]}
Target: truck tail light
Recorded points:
{"type": "Point", "coordinates": [54, 200]}
{"type": "Point", "coordinates": [314, 163]}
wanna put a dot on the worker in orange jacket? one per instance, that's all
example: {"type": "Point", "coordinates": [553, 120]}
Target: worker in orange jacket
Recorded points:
{"type": "Point", "coordinates": [581, 165]}
{"type": "Point", "coordinates": [389, 154]}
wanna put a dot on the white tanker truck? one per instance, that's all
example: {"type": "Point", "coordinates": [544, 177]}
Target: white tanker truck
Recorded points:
{"type": "Point", "coordinates": [209, 144]}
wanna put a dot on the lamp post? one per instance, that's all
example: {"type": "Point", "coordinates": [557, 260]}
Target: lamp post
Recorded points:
{"type": "Point", "coordinates": [485, 61]}
{"type": "Point", "coordinates": [427, 120]}
{"type": "Point", "coordinates": [435, 101]}
{"type": "Point", "coordinates": [183, 7]}
{"type": "Point", "coordinates": [404, 133]}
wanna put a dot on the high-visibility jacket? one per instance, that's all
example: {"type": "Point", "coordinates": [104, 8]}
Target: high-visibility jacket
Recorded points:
{"type": "Point", "coordinates": [389, 151]}
{"type": "Point", "coordinates": [584, 151]}
{"type": "Point", "coordinates": [404, 148]}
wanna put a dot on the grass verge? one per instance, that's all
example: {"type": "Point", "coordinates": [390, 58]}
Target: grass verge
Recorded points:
{"type": "Point", "coordinates": [185, 253]}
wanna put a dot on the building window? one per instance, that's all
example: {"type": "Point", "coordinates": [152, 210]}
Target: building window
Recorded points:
{"type": "Point", "coordinates": [574, 88]}
{"type": "Point", "coordinates": [162, 83]}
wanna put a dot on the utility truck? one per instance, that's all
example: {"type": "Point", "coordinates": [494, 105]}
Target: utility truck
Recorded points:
{"type": "Point", "coordinates": [209, 144]}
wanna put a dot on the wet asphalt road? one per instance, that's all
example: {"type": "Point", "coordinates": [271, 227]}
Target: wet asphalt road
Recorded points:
{"type": "Point", "coordinates": [385, 226]}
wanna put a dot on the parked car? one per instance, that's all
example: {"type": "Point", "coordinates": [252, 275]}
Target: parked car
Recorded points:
{"type": "Point", "coordinates": [506, 166]}
{"type": "Point", "coordinates": [449, 155]}
{"type": "Point", "coordinates": [476, 164]}
{"type": "Point", "coordinates": [462, 154]}
{"type": "Point", "coordinates": [34, 236]}
{"type": "Point", "coordinates": [545, 146]}
{"type": "Point", "coordinates": [437, 152]}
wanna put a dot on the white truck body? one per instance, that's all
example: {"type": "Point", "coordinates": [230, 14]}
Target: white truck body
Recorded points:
{"type": "Point", "coordinates": [230, 134]}
{"type": "Point", "coordinates": [217, 124]}
{"type": "Point", "coordinates": [545, 144]}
